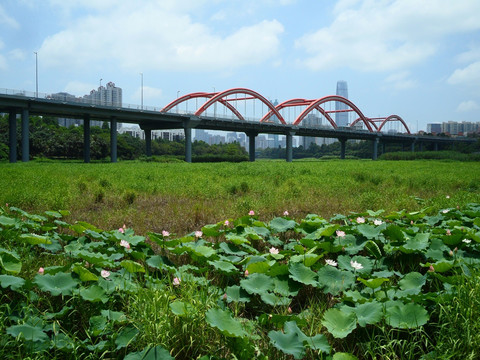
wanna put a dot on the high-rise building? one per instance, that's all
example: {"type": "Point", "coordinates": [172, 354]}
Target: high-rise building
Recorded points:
{"type": "Point", "coordinates": [108, 95]}
{"type": "Point", "coordinates": [341, 118]}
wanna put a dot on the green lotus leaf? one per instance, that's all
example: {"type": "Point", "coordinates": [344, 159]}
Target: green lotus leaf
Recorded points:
{"type": "Point", "coordinates": [231, 249]}
{"type": "Point", "coordinates": [317, 342]}
{"type": "Point", "coordinates": [344, 262]}
{"type": "Point", "coordinates": [302, 274]}
{"type": "Point", "coordinates": [94, 293]}
{"type": "Point", "coordinates": [373, 249]}
{"type": "Point", "coordinates": [10, 261]}
{"type": "Point", "coordinates": [63, 342]}
{"type": "Point", "coordinates": [274, 300]}
{"type": "Point", "coordinates": [98, 324]}
{"type": "Point", "coordinates": [418, 243]}
{"type": "Point", "coordinates": [257, 283]}
{"type": "Point", "coordinates": [8, 222]}
{"type": "Point", "coordinates": [150, 353]}
{"type": "Point", "coordinates": [60, 283]}
{"type": "Point", "coordinates": [28, 332]}
{"type": "Point", "coordinates": [115, 316]}
{"type": "Point", "coordinates": [278, 269]}
{"type": "Point", "coordinates": [53, 214]}
{"type": "Point", "coordinates": [344, 356]}
{"type": "Point", "coordinates": [223, 320]}
{"type": "Point", "coordinates": [280, 225]}
{"type": "Point", "coordinates": [95, 258]}
{"type": "Point", "coordinates": [373, 283]}
{"type": "Point", "coordinates": [286, 286]}
{"type": "Point", "coordinates": [395, 233]}
{"type": "Point", "coordinates": [211, 230]}
{"type": "Point", "coordinates": [224, 266]}
{"type": "Point", "coordinates": [126, 336]}
{"type": "Point", "coordinates": [289, 343]}
{"type": "Point", "coordinates": [237, 239]}
{"type": "Point", "coordinates": [34, 239]}
{"type": "Point", "coordinates": [84, 273]}
{"type": "Point", "coordinates": [405, 316]}
{"type": "Point", "coordinates": [13, 282]}
{"type": "Point", "coordinates": [412, 283]}
{"type": "Point", "coordinates": [442, 266]}
{"type": "Point", "coordinates": [339, 323]}
{"type": "Point", "coordinates": [307, 259]}
{"type": "Point", "coordinates": [236, 293]}
{"type": "Point", "coordinates": [334, 280]}
{"type": "Point", "coordinates": [132, 266]}
{"type": "Point", "coordinates": [369, 231]}
{"type": "Point", "coordinates": [368, 313]}
{"type": "Point", "coordinates": [181, 308]}
{"type": "Point", "coordinates": [258, 267]}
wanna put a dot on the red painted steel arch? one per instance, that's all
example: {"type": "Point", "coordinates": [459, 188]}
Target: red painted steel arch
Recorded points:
{"type": "Point", "coordinates": [299, 102]}
{"type": "Point", "coordinates": [220, 95]}
{"type": "Point", "coordinates": [394, 118]}
{"type": "Point", "coordinates": [200, 95]}
{"type": "Point", "coordinates": [369, 120]}
{"type": "Point", "coordinates": [325, 99]}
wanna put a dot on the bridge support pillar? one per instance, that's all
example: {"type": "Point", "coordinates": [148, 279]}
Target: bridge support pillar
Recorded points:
{"type": "Point", "coordinates": [148, 142]}
{"type": "Point", "coordinates": [12, 135]}
{"type": "Point", "coordinates": [187, 128]}
{"type": "Point", "coordinates": [25, 136]}
{"type": "Point", "coordinates": [435, 146]}
{"type": "Point", "coordinates": [412, 146]}
{"type": "Point", "coordinates": [384, 147]}
{"type": "Point", "coordinates": [113, 139]}
{"type": "Point", "coordinates": [86, 138]}
{"type": "Point", "coordinates": [343, 146]}
{"type": "Point", "coordinates": [289, 149]}
{"type": "Point", "coordinates": [251, 145]}
{"type": "Point", "coordinates": [420, 146]}
{"type": "Point", "coordinates": [375, 148]}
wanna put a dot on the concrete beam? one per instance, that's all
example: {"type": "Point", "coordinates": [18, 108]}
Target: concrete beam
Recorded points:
{"type": "Point", "coordinates": [251, 145]}
{"type": "Point", "coordinates": [343, 146]}
{"type": "Point", "coordinates": [187, 128]}
{"type": "Point", "coordinates": [375, 149]}
{"type": "Point", "coordinates": [148, 142]}
{"type": "Point", "coordinates": [289, 147]}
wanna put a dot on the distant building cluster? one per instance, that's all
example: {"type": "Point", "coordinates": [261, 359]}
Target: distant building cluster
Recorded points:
{"type": "Point", "coordinates": [108, 95]}
{"type": "Point", "coordinates": [454, 128]}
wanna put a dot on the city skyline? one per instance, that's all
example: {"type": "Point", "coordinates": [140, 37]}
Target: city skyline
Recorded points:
{"type": "Point", "coordinates": [419, 61]}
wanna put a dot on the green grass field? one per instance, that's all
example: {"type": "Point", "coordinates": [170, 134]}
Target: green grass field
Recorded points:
{"type": "Point", "coordinates": [181, 197]}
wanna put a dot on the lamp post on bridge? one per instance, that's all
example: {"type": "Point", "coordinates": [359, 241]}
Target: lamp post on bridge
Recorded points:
{"type": "Point", "coordinates": [141, 91]}
{"type": "Point", "coordinates": [36, 73]}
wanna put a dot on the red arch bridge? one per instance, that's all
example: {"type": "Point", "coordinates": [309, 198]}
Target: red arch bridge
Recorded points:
{"type": "Point", "coordinates": [227, 111]}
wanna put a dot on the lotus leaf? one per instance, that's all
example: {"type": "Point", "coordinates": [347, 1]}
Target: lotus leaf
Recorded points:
{"type": "Point", "coordinates": [412, 283]}
{"type": "Point", "coordinates": [150, 353]}
{"type": "Point", "coordinates": [28, 332]}
{"type": "Point", "coordinates": [236, 293]}
{"type": "Point", "coordinates": [125, 337]}
{"type": "Point", "coordinates": [115, 316]}
{"type": "Point", "coordinates": [181, 308]}
{"type": "Point", "coordinates": [13, 282]}
{"type": "Point", "coordinates": [302, 274]}
{"type": "Point", "coordinates": [370, 231]}
{"type": "Point", "coordinates": [223, 320]}
{"type": "Point", "coordinates": [334, 280]}
{"type": "Point", "coordinates": [286, 287]}
{"type": "Point", "coordinates": [373, 283]}
{"type": "Point", "coordinates": [132, 266]}
{"type": "Point", "coordinates": [10, 261]}
{"type": "Point", "coordinates": [274, 300]}
{"type": "Point", "coordinates": [257, 284]}
{"type": "Point", "coordinates": [405, 316]}
{"type": "Point", "coordinates": [307, 259]}
{"type": "Point", "coordinates": [368, 313]}
{"type": "Point", "coordinates": [60, 283]}
{"type": "Point", "coordinates": [84, 273]}
{"type": "Point", "coordinates": [339, 323]}
{"type": "Point", "coordinates": [279, 225]}
{"type": "Point", "coordinates": [224, 266]}
{"type": "Point", "coordinates": [344, 356]}
{"type": "Point", "coordinates": [98, 324]}
{"type": "Point", "coordinates": [231, 249]}
{"type": "Point", "coordinates": [34, 239]}
{"type": "Point", "coordinates": [94, 293]}
{"type": "Point", "coordinates": [258, 267]}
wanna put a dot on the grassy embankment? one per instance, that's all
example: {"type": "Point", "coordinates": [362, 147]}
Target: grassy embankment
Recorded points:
{"type": "Point", "coordinates": [182, 197]}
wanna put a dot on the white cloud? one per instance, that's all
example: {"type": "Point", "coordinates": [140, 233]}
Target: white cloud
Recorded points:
{"type": "Point", "coordinates": [16, 54]}
{"type": "Point", "coordinates": [7, 20]}
{"type": "Point", "coordinates": [473, 54]}
{"type": "Point", "coordinates": [149, 36]}
{"type": "Point", "coordinates": [386, 35]}
{"type": "Point", "coordinates": [469, 75]}
{"type": "Point", "coordinates": [467, 106]}
{"type": "Point", "coordinates": [401, 81]}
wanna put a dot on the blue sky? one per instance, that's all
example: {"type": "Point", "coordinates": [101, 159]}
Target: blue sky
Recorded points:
{"type": "Point", "coordinates": [416, 59]}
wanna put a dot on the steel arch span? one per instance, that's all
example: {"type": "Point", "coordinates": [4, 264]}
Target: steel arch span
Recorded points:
{"type": "Point", "coordinates": [316, 103]}
{"type": "Point", "coordinates": [394, 118]}
{"type": "Point", "coordinates": [298, 102]}
{"type": "Point", "coordinates": [219, 97]}
{"type": "Point", "coordinates": [201, 95]}
{"type": "Point", "coordinates": [369, 120]}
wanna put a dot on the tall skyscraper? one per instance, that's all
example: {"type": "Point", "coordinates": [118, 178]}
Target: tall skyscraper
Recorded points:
{"type": "Point", "coordinates": [341, 118]}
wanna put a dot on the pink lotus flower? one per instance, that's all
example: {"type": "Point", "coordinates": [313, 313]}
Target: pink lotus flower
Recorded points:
{"type": "Point", "coordinates": [198, 234]}
{"type": "Point", "coordinates": [6, 204]}
{"type": "Point", "coordinates": [246, 273]}
{"type": "Point", "coordinates": [176, 281]}
{"type": "Point", "coordinates": [251, 213]}
{"type": "Point", "coordinates": [360, 220]}
{"type": "Point", "coordinates": [285, 213]}
{"type": "Point", "coordinates": [449, 232]}
{"type": "Point", "coordinates": [226, 223]}
{"type": "Point", "coordinates": [165, 233]}
{"type": "Point", "coordinates": [377, 222]}
{"type": "Point", "coordinates": [340, 233]}
{"type": "Point", "coordinates": [121, 230]}
{"type": "Point", "coordinates": [41, 271]}
{"type": "Point", "coordinates": [289, 310]}
{"type": "Point", "coordinates": [431, 268]}
{"type": "Point", "coordinates": [105, 274]}
{"type": "Point", "coordinates": [445, 211]}
{"type": "Point", "coordinates": [356, 265]}
{"type": "Point", "coordinates": [467, 241]}
{"type": "Point", "coordinates": [225, 296]}
{"type": "Point", "coordinates": [450, 253]}
{"type": "Point", "coordinates": [125, 244]}
{"type": "Point", "coordinates": [448, 196]}
{"type": "Point", "coordinates": [273, 250]}
{"type": "Point", "coordinates": [331, 262]}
